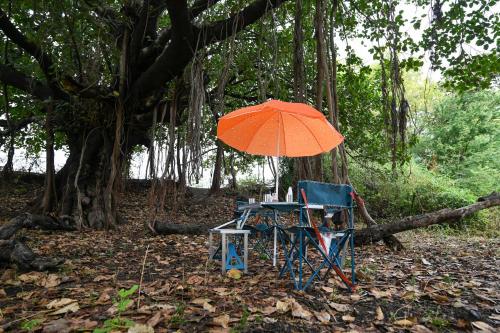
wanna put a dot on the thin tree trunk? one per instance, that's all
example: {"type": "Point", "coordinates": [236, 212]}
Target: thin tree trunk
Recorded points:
{"type": "Point", "coordinates": [302, 165]}
{"type": "Point", "coordinates": [217, 176]}
{"type": "Point", "coordinates": [112, 186]}
{"type": "Point", "coordinates": [49, 200]}
{"type": "Point", "coordinates": [9, 165]}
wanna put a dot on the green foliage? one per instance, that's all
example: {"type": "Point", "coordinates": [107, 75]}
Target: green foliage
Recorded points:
{"type": "Point", "coordinates": [416, 191]}
{"type": "Point", "coordinates": [31, 325]}
{"type": "Point", "coordinates": [242, 324]}
{"type": "Point", "coordinates": [462, 140]}
{"type": "Point", "coordinates": [121, 303]}
{"type": "Point", "coordinates": [178, 318]}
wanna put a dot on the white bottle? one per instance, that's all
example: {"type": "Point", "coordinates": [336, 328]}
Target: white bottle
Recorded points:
{"type": "Point", "coordinates": [289, 195]}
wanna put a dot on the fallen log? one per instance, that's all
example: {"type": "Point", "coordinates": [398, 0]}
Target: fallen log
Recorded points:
{"type": "Point", "coordinates": [368, 235]}
{"type": "Point", "coordinates": [378, 232]}
{"type": "Point", "coordinates": [389, 240]}
{"type": "Point", "coordinates": [166, 228]}
{"type": "Point", "coordinates": [15, 251]}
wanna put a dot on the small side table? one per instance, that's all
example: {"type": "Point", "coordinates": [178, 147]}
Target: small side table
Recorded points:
{"type": "Point", "coordinates": [224, 233]}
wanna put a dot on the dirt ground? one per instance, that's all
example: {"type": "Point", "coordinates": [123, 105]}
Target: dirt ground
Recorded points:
{"type": "Point", "coordinates": [438, 283]}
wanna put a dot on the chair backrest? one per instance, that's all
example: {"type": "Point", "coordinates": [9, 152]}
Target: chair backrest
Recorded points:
{"type": "Point", "coordinates": [319, 193]}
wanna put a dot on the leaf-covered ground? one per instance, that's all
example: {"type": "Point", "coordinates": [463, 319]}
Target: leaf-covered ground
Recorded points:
{"type": "Point", "coordinates": [437, 284]}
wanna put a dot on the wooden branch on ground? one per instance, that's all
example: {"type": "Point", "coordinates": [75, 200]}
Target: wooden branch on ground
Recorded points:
{"type": "Point", "coordinates": [166, 228]}
{"type": "Point", "coordinates": [389, 240]}
{"type": "Point", "coordinates": [378, 232]}
{"type": "Point", "coordinates": [371, 234]}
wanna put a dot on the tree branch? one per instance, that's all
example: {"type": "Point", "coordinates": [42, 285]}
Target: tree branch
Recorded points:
{"type": "Point", "coordinates": [149, 53]}
{"type": "Point", "coordinates": [222, 29]}
{"type": "Point", "coordinates": [31, 48]}
{"type": "Point", "coordinates": [174, 57]}
{"type": "Point", "coordinates": [180, 50]}
{"type": "Point", "coordinates": [15, 78]}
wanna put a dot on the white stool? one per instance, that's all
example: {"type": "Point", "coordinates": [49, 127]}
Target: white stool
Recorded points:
{"type": "Point", "coordinates": [224, 233]}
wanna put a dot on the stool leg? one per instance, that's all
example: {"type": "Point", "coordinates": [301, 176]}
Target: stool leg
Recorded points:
{"type": "Point", "coordinates": [245, 252]}
{"type": "Point", "coordinates": [224, 249]}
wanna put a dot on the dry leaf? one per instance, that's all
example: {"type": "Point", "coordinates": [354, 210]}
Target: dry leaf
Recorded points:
{"type": "Point", "coordinates": [421, 329]}
{"type": "Point", "coordinates": [141, 328]}
{"type": "Point", "coordinates": [58, 303]}
{"type": "Point", "coordinates": [100, 278]}
{"type": "Point", "coordinates": [299, 311]}
{"type": "Point", "coordinates": [155, 320]}
{"type": "Point", "coordinates": [348, 318]}
{"type": "Point", "coordinates": [208, 307]}
{"type": "Point", "coordinates": [339, 307]}
{"type": "Point", "coordinates": [380, 294]}
{"type": "Point", "coordinates": [195, 279]}
{"type": "Point", "coordinates": [380, 315]}
{"type": "Point", "coordinates": [69, 325]}
{"type": "Point", "coordinates": [222, 321]}
{"type": "Point", "coordinates": [283, 306]}
{"type": "Point", "coordinates": [327, 289]}
{"type": "Point", "coordinates": [51, 281]}
{"type": "Point", "coordinates": [268, 310]}
{"type": "Point", "coordinates": [404, 323]}
{"type": "Point", "coordinates": [73, 307]}
{"type": "Point", "coordinates": [439, 298]}
{"type": "Point", "coordinates": [483, 327]}
{"type": "Point", "coordinates": [200, 301]}
{"type": "Point", "coordinates": [104, 297]}
{"type": "Point", "coordinates": [426, 262]}
{"type": "Point", "coordinates": [31, 277]}
{"type": "Point", "coordinates": [234, 274]}
{"type": "Point", "coordinates": [323, 316]}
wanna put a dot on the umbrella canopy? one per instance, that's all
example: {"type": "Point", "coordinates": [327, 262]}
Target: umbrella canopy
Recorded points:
{"type": "Point", "coordinates": [277, 128]}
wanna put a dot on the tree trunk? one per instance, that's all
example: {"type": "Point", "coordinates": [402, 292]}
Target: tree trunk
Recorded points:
{"type": "Point", "coordinates": [217, 176]}
{"type": "Point", "coordinates": [81, 183]}
{"type": "Point", "coordinates": [302, 165]}
{"type": "Point", "coordinates": [49, 199]}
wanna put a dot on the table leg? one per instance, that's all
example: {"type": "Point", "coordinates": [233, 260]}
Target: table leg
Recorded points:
{"type": "Point", "coordinates": [275, 245]}
{"type": "Point", "coordinates": [245, 252]}
{"type": "Point", "coordinates": [275, 252]}
{"type": "Point", "coordinates": [224, 249]}
{"type": "Point", "coordinates": [210, 249]}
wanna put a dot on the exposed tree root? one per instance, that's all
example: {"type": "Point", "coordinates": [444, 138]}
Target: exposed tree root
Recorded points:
{"type": "Point", "coordinates": [14, 251]}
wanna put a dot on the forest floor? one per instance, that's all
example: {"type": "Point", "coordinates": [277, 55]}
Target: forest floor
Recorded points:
{"type": "Point", "coordinates": [438, 283]}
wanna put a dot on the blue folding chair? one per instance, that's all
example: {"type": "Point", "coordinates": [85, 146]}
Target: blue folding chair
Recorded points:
{"type": "Point", "coordinates": [330, 199]}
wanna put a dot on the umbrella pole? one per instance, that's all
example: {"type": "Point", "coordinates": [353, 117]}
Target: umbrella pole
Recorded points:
{"type": "Point", "coordinates": [277, 176]}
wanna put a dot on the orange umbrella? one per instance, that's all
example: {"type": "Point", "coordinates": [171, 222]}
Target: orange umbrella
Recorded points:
{"type": "Point", "coordinates": [277, 128]}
